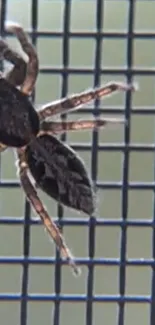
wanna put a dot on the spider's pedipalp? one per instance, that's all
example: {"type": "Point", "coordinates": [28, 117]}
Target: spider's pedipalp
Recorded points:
{"type": "Point", "coordinates": [32, 65]}
{"type": "Point", "coordinates": [50, 226]}
{"type": "Point", "coordinates": [17, 74]}
{"type": "Point", "coordinates": [62, 126]}
{"type": "Point", "coordinates": [74, 102]}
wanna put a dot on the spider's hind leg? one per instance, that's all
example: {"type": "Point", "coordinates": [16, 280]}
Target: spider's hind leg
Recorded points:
{"type": "Point", "coordinates": [17, 74]}
{"type": "Point", "coordinates": [32, 65]}
{"type": "Point", "coordinates": [49, 224]}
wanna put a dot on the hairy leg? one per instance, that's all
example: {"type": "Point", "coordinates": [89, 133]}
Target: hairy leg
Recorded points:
{"type": "Point", "coordinates": [32, 65]}
{"type": "Point", "coordinates": [74, 102]}
{"type": "Point", "coordinates": [58, 127]}
{"type": "Point", "coordinates": [50, 226]}
{"type": "Point", "coordinates": [16, 75]}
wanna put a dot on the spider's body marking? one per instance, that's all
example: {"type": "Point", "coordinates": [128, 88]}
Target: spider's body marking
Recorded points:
{"type": "Point", "coordinates": [61, 173]}
{"type": "Point", "coordinates": [19, 121]}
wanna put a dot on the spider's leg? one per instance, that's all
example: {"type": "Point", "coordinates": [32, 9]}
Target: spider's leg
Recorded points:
{"type": "Point", "coordinates": [62, 126]}
{"type": "Point", "coordinates": [50, 226]}
{"type": "Point", "coordinates": [32, 65]}
{"type": "Point", "coordinates": [2, 147]}
{"type": "Point", "coordinates": [16, 75]}
{"type": "Point", "coordinates": [74, 102]}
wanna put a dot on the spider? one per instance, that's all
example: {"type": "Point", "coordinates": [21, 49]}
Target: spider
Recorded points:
{"type": "Point", "coordinates": [54, 166]}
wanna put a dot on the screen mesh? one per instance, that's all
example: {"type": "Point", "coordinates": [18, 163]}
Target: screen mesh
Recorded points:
{"type": "Point", "coordinates": [82, 44]}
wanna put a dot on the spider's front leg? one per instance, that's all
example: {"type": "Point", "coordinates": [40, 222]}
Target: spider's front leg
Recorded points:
{"type": "Point", "coordinates": [17, 74]}
{"type": "Point", "coordinates": [50, 226]}
{"type": "Point", "coordinates": [32, 65]}
{"type": "Point", "coordinates": [62, 126]}
{"type": "Point", "coordinates": [74, 102]}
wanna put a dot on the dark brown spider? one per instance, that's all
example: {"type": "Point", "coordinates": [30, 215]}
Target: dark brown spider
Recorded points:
{"type": "Point", "coordinates": [55, 167]}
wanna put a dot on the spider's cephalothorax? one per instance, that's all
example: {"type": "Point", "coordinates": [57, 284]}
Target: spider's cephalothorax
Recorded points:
{"type": "Point", "coordinates": [19, 121]}
{"type": "Point", "coordinates": [55, 167]}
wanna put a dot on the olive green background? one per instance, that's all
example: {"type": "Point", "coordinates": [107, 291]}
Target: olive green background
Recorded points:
{"type": "Point", "coordinates": [139, 240]}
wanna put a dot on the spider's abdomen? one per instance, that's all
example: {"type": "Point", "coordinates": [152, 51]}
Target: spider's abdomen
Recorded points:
{"type": "Point", "coordinates": [18, 119]}
{"type": "Point", "coordinates": [60, 173]}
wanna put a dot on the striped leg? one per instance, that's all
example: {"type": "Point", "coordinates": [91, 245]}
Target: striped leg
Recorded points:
{"type": "Point", "coordinates": [49, 224]}
{"type": "Point", "coordinates": [16, 75]}
{"type": "Point", "coordinates": [74, 102]}
{"type": "Point", "coordinates": [62, 126]}
{"type": "Point", "coordinates": [32, 65]}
